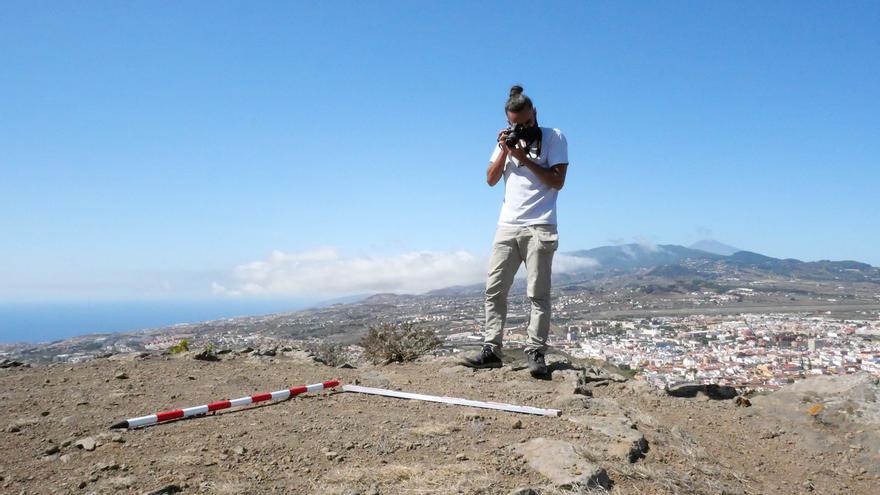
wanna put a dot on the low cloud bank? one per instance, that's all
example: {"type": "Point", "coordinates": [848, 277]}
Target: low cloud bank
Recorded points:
{"type": "Point", "coordinates": [326, 273]}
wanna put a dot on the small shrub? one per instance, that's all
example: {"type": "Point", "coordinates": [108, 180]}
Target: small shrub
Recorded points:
{"type": "Point", "coordinates": [207, 354]}
{"type": "Point", "coordinates": [387, 342]}
{"type": "Point", "coordinates": [328, 353]}
{"type": "Point", "coordinates": [182, 346]}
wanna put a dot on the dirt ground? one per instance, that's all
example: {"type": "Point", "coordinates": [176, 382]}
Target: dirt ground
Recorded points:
{"type": "Point", "coordinates": [55, 436]}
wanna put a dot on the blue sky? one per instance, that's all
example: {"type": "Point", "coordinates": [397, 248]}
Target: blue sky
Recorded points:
{"type": "Point", "coordinates": [231, 149]}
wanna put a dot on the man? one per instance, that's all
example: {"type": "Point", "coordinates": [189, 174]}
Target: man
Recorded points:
{"type": "Point", "coordinates": [534, 169]}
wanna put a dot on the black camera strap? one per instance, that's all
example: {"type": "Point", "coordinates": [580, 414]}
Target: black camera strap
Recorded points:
{"type": "Point", "coordinates": [540, 140]}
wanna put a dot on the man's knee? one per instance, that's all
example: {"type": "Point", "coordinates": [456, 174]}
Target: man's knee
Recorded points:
{"type": "Point", "coordinates": [497, 288]}
{"type": "Point", "coordinates": [496, 300]}
{"type": "Point", "coordinates": [538, 286]}
{"type": "Point", "coordinates": [538, 292]}
{"type": "Point", "coordinates": [541, 303]}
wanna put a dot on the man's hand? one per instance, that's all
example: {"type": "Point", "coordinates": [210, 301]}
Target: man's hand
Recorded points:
{"type": "Point", "coordinates": [502, 141]}
{"type": "Point", "coordinates": [502, 135]}
{"type": "Point", "coordinates": [519, 153]}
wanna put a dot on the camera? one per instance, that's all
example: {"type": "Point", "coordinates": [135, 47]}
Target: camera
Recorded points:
{"type": "Point", "coordinates": [518, 132]}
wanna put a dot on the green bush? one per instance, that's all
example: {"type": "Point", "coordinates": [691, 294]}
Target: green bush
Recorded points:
{"type": "Point", "coordinates": [389, 342]}
{"type": "Point", "coordinates": [181, 346]}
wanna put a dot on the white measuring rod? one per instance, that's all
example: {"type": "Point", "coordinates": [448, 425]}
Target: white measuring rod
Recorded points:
{"type": "Point", "coordinates": [452, 400]}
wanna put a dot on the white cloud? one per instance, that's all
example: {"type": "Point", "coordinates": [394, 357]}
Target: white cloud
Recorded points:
{"type": "Point", "coordinates": [566, 263]}
{"type": "Point", "coordinates": [325, 272]}
{"type": "Point", "coordinates": [642, 242]}
{"type": "Point", "coordinates": [646, 244]}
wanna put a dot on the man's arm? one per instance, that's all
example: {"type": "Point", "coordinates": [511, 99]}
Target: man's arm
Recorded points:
{"type": "Point", "coordinates": [496, 168]}
{"type": "Point", "coordinates": [553, 176]}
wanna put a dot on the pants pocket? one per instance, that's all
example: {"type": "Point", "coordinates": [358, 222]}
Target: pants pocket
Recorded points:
{"type": "Point", "coordinates": [548, 240]}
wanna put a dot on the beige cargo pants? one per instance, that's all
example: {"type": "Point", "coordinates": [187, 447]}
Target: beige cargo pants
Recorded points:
{"type": "Point", "coordinates": [534, 245]}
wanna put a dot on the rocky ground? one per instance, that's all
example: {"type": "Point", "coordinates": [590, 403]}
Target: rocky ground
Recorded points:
{"type": "Point", "coordinates": [615, 435]}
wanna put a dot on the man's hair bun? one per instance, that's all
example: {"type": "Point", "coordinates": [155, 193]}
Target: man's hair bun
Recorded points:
{"type": "Point", "coordinates": [517, 101]}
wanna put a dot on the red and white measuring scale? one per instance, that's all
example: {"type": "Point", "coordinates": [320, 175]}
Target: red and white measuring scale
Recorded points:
{"type": "Point", "coordinates": [224, 404]}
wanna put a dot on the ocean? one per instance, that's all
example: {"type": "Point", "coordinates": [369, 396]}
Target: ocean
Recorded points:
{"type": "Point", "coordinates": [45, 322]}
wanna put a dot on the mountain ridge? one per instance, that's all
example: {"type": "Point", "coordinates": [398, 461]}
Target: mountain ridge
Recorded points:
{"type": "Point", "coordinates": [631, 257]}
{"type": "Point", "coordinates": [714, 247]}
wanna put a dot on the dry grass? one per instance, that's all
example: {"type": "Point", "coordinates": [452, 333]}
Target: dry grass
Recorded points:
{"type": "Point", "coordinates": [435, 430]}
{"type": "Point", "coordinates": [459, 477]}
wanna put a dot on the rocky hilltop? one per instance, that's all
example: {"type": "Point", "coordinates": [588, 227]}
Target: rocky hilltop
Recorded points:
{"type": "Point", "coordinates": [615, 435]}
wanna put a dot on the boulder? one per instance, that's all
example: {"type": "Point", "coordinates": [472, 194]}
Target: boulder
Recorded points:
{"type": "Point", "coordinates": [87, 443]}
{"type": "Point", "coordinates": [526, 490]}
{"type": "Point", "coordinates": [711, 390]}
{"type": "Point", "coordinates": [597, 374]}
{"type": "Point", "coordinates": [166, 490]}
{"type": "Point", "coordinates": [625, 442]}
{"type": "Point", "coordinates": [6, 363]}
{"type": "Point", "coordinates": [374, 379]}
{"type": "Point", "coordinates": [129, 356]}
{"type": "Point", "coordinates": [571, 402]}
{"type": "Point", "coordinates": [206, 354]}
{"type": "Point", "coordinates": [830, 414]}
{"type": "Point", "coordinates": [559, 462]}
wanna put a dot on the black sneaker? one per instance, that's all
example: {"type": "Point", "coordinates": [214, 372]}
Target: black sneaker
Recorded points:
{"type": "Point", "coordinates": [537, 366]}
{"type": "Point", "coordinates": [485, 359]}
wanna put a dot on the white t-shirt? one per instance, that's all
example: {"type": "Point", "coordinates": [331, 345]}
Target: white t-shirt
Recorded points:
{"type": "Point", "coordinates": [527, 200]}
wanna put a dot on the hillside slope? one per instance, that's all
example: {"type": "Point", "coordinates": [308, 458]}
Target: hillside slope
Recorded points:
{"type": "Point", "coordinates": [626, 437]}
